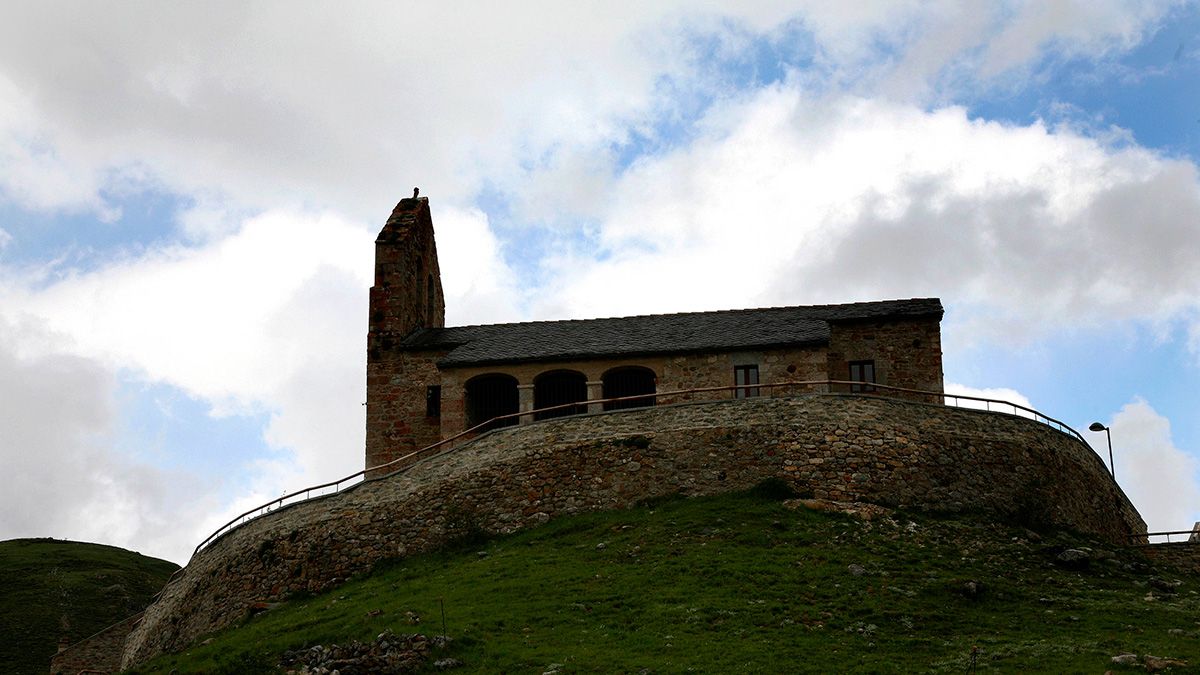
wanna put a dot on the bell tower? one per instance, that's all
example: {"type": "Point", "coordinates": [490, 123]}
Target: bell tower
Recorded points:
{"type": "Point", "coordinates": [407, 294]}
{"type": "Point", "coordinates": [406, 297]}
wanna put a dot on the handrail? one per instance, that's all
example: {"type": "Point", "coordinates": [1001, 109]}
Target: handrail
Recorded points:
{"type": "Point", "coordinates": [1167, 534]}
{"type": "Point", "coordinates": [867, 388]}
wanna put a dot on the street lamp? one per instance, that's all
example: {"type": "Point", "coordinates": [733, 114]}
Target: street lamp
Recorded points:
{"type": "Point", "coordinates": [1096, 426]}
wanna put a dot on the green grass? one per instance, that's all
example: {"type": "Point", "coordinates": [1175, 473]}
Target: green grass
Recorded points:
{"type": "Point", "coordinates": [52, 588]}
{"type": "Point", "coordinates": [740, 583]}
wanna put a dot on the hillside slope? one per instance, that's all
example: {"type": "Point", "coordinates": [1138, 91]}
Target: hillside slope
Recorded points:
{"type": "Point", "coordinates": [50, 589]}
{"type": "Point", "coordinates": [748, 582]}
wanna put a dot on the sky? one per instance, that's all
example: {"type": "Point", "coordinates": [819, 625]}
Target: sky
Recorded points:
{"type": "Point", "coordinates": [189, 195]}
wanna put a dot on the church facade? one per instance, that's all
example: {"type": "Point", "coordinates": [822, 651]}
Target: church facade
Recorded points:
{"type": "Point", "coordinates": [427, 381]}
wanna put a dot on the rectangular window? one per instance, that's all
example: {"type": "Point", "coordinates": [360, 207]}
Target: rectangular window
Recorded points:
{"type": "Point", "coordinates": [743, 376]}
{"type": "Point", "coordinates": [862, 371]}
{"type": "Point", "coordinates": [433, 401]}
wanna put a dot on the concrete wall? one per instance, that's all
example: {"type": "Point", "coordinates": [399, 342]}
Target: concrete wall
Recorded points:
{"type": "Point", "coordinates": [887, 451]}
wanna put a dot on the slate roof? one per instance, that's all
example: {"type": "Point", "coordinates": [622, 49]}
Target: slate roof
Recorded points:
{"type": "Point", "coordinates": [655, 333]}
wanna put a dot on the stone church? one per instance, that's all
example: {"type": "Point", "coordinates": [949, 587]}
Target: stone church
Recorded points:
{"type": "Point", "coordinates": [427, 381]}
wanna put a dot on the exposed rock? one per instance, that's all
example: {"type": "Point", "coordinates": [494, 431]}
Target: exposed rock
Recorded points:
{"type": "Point", "coordinates": [1164, 585]}
{"type": "Point", "coordinates": [1151, 663]}
{"type": "Point", "coordinates": [860, 510]}
{"type": "Point", "coordinates": [1073, 559]}
{"type": "Point", "coordinates": [1157, 663]}
{"type": "Point", "coordinates": [388, 654]}
{"type": "Point", "coordinates": [1126, 660]}
{"type": "Point", "coordinates": [971, 589]}
{"type": "Point", "coordinates": [856, 570]}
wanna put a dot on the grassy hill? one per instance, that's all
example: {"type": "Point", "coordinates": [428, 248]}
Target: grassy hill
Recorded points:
{"type": "Point", "coordinates": [748, 583]}
{"type": "Point", "coordinates": [51, 588]}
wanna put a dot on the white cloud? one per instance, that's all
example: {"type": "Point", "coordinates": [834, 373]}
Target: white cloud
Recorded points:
{"type": "Point", "coordinates": [272, 106]}
{"type": "Point", "coordinates": [1161, 480]}
{"type": "Point", "coordinates": [272, 318]}
{"type": "Point", "coordinates": [269, 106]}
{"type": "Point", "coordinates": [199, 317]}
{"type": "Point", "coordinates": [269, 319]}
{"type": "Point", "coordinates": [998, 394]}
{"type": "Point", "coordinates": [1091, 27]}
{"type": "Point", "coordinates": [478, 285]}
{"type": "Point", "coordinates": [790, 199]}
{"type": "Point", "coordinates": [62, 477]}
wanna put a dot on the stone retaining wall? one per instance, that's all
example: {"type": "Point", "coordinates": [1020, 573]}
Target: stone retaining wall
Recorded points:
{"type": "Point", "coordinates": [1183, 556]}
{"type": "Point", "coordinates": [842, 447]}
{"type": "Point", "coordinates": [100, 652]}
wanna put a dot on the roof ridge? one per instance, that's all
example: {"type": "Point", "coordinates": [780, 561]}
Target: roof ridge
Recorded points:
{"type": "Point", "coordinates": [696, 313]}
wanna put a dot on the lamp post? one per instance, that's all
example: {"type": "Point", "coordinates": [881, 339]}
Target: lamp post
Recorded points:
{"type": "Point", "coordinates": [1096, 426]}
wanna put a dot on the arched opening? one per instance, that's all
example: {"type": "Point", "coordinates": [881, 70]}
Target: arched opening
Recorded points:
{"type": "Point", "coordinates": [629, 381]}
{"type": "Point", "coordinates": [559, 387]}
{"type": "Point", "coordinates": [489, 396]}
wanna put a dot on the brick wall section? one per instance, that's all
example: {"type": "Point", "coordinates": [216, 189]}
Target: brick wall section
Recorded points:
{"type": "Point", "coordinates": [1183, 556]}
{"type": "Point", "coordinates": [100, 652]}
{"type": "Point", "coordinates": [846, 447]}
{"type": "Point", "coordinates": [407, 295]}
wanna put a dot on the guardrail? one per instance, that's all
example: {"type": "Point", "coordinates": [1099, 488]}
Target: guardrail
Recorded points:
{"type": "Point", "coordinates": [684, 395]}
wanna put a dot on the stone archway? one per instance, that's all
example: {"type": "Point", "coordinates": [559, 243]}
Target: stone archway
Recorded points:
{"type": "Point", "coordinates": [558, 387]}
{"type": "Point", "coordinates": [490, 396]}
{"type": "Point", "coordinates": [629, 381]}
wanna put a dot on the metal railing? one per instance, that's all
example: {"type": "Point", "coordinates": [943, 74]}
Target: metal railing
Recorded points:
{"type": "Point", "coordinates": [1146, 537]}
{"type": "Point", "coordinates": [676, 396]}
{"type": "Point", "coordinates": [1018, 410]}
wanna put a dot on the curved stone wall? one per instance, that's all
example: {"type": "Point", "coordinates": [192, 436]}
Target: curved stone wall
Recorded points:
{"type": "Point", "coordinates": [841, 447]}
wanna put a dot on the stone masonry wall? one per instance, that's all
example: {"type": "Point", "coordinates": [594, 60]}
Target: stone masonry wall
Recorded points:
{"type": "Point", "coordinates": [841, 447]}
{"type": "Point", "coordinates": [100, 652]}
{"type": "Point", "coordinates": [407, 295]}
{"type": "Point", "coordinates": [677, 371]}
{"type": "Point", "coordinates": [1183, 556]}
{"type": "Point", "coordinates": [906, 354]}
{"type": "Point", "coordinates": [396, 421]}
